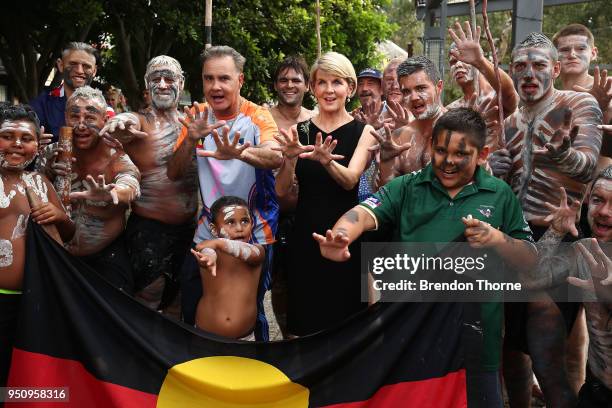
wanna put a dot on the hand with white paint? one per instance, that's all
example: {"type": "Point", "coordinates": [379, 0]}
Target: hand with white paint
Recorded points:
{"type": "Point", "coordinates": [197, 122]}
{"type": "Point", "coordinates": [500, 162]}
{"type": "Point", "coordinates": [207, 259]}
{"type": "Point", "coordinates": [468, 49]}
{"type": "Point", "coordinates": [400, 115]}
{"type": "Point", "coordinates": [600, 267]}
{"type": "Point", "coordinates": [124, 127]}
{"type": "Point", "coordinates": [226, 149]}
{"type": "Point", "coordinates": [59, 168]}
{"type": "Point", "coordinates": [561, 142]}
{"type": "Point", "coordinates": [97, 191]}
{"type": "Point", "coordinates": [44, 139]}
{"type": "Point", "coordinates": [47, 213]}
{"type": "Point", "coordinates": [562, 218]}
{"type": "Point", "coordinates": [386, 145]}
{"type": "Point", "coordinates": [601, 89]}
{"type": "Point", "coordinates": [481, 234]}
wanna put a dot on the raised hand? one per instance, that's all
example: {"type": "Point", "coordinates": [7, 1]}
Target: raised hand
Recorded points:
{"type": "Point", "coordinates": [226, 149]}
{"type": "Point", "coordinates": [207, 259]}
{"type": "Point", "coordinates": [500, 162]}
{"type": "Point", "coordinates": [372, 116]}
{"type": "Point", "coordinates": [468, 48]}
{"type": "Point", "coordinates": [561, 140]}
{"type": "Point", "coordinates": [97, 191]}
{"type": "Point", "coordinates": [322, 151]}
{"type": "Point", "coordinates": [387, 147]}
{"type": "Point", "coordinates": [599, 265]}
{"type": "Point", "coordinates": [122, 128]}
{"type": "Point", "coordinates": [400, 115]}
{"type": "Point", "coordinates": [562, 218]}
{"type": "Point", "coordinates": [289, 144]}
{"type": "Point", "coordinates": [197, 123]}
{"type": "Point", "coordinates": [333, 246]}
{"type": "Point", "coordinates": [56, 168]}
{"type": "Point", "coordinates": [601, 89]}
{"type": "Point", "coordinates": [44, 139]}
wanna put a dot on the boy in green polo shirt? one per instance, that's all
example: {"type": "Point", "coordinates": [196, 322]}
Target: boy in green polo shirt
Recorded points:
{"type": "Point", "coordinates": [451, 196]}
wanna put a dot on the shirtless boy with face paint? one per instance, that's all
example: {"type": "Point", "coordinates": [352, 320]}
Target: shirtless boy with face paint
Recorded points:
{"type": "Point", "coordinates": [98, 208]}
{"type": "Point", "coordinates": [162, 221]}
{"type": "Point", "coordinates": [552, 141]}
{"type": "Point", "coordinates": [19, 133]}
{"type": "Point", "coordinates": [230, 268]}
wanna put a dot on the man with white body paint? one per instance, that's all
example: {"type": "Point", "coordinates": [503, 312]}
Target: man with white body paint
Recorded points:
{"type": "Point", "coordinates": [19, 135]}
{"type": "Point", "coordinates": [230, 268]}
{"type": "Point", "coordinates": [98, 209]}
{"type": "Point", "coordinates": [552, 141]}
{"type": "Point", "coordinates": [162, 221]}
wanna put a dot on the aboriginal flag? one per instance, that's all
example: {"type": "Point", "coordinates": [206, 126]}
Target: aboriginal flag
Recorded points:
{"type": "Point", "coordinates": [78, 331]}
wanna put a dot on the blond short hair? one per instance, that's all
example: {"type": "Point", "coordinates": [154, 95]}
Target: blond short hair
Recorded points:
{"type": "Point", "coordinates": [336, 64]}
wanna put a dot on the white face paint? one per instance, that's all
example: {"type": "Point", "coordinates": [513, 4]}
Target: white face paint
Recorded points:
{"type": "Point", "coordinates": [21, 126]}
{"type": "Point", "coordinates": [6, 253]}
{"type": "Point", "coordinates": [228, 212]}
{"type": "Point", "coordinates": [223, 233]}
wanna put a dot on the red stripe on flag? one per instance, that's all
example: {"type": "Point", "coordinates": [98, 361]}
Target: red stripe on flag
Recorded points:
{"type": "Point", "coordinates": [443, 392]}
{"type": "Point", "coordinates": [38, 370]}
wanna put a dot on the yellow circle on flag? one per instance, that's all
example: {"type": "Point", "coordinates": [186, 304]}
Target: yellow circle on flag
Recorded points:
{"type": "Point", "coordinates": [229, 382]}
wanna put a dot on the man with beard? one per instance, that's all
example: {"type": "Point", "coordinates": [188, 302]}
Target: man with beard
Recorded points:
{"type": "Point", "coordinates": [588, 259]}
{"type": "Point", "coordinates": [98, 209]}
{"type": "Point", "coordinates": [552, 141]}
{"type": "Point", "coordinates": [466, 58]}
{"type": "Point", "coordinates": [370, 92]}
{"type": "Point", "coordinates": [421, 88]}
{"type": "Point", "coordinates": [77, 67]}
{"type": "Point", "coordinates": [290, 84]}
{"type": "Point", "coordinates": [236, 161]}
{"type": "Point", "coordinates": [162, 220]}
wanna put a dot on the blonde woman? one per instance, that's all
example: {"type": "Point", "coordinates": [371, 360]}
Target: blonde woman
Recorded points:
{"type": "Point", "coordinates": [327, 153]}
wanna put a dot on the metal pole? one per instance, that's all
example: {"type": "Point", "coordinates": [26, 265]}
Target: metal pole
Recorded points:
{"type": "Point", "coordinates": [208, 25]}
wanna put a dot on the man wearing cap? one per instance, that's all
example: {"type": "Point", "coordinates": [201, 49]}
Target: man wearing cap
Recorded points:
{"type": "Point", "coordinates": [370, 92]}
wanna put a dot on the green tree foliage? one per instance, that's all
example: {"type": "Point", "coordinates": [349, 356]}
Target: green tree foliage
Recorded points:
{"type": "Point", "coordinates": [410, 30]}
{"type": "Point", "coordinates": [129, 33]}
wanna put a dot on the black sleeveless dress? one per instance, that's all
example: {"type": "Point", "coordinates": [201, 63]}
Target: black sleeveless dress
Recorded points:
{"type": "Point", "coordinates": [322, 293]}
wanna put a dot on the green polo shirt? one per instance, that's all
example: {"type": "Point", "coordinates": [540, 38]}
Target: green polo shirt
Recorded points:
{"type": "Point", "coordinates": [418, 209]}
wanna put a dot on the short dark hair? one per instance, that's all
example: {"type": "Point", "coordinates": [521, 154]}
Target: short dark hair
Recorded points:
{"type": "Point", "coordinates": [416, 64]}
{"type": "Point", "coordinates": [20, 112]}
{"type": "Point", "coordinates": [80, 46]}
{"type": "Point", "coordinates": [604, 174]}
{"type": "Point", "coordinates": [537, 40]}
{"type": "Point", "coordinates": [464, 120]}
{"type": "Point", "coordinates": [294, 62]}
{"type": "Point", "coordinates": [573, 29]}
{"type": "Point", "coordinates": [224, 201]}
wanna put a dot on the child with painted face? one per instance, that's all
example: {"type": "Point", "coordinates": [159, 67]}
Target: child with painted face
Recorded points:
{"type": "Point", "coordinates": [450, 197]}
{"type": "Point", "coordinates": [19, 134]}
{"type": "Point", "coordinates": [230, 268]}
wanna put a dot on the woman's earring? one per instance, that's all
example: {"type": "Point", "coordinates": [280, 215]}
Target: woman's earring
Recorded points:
{"type": "Point", "coordinates": [348, 99]}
